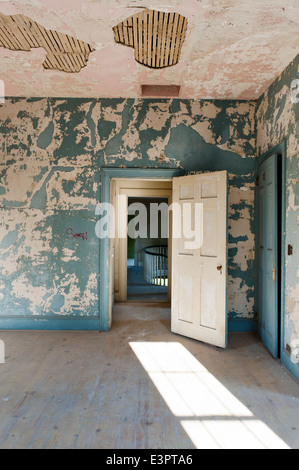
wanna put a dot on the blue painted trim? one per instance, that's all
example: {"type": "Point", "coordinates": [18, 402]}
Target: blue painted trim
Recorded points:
{"type": "Point", "coordinates": [226, 262]}
{"type": "Point", "coordinates": [106, 174]}
{"type": "Point", "coordinates": [281, 149]}
{"type": "Point", "coordinates": [286, 361]}
{"type": "Point", "coordinates": [50, 323]}
{"type": "Point", "coordinates": [242, 326]}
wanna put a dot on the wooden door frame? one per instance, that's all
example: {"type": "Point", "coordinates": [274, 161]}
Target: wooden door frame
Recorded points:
{"type": "Point", "coordinates": [107, 174]}
{"type": "Point", "coordinates": [280, 149]}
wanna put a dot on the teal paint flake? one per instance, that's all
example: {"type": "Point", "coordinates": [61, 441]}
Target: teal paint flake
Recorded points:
{"type": "Point", "coordinates": [9, 239]}
{"type": "Point", "coordinates": [114, 145]}
{"type": "Point", "coordinates": [39, 199]}
{"type": "Point", "coordinates": [57, 303]}
{"type": "Point", "coordinates": [45, 138]}
{"type": "Point", "coordinates": [174, 107]}
{"type": "Point", "coordinates": [106, 129]}
{"type": "Point", "coordinates": [70, 145]}
{"type": "Point", "coordinates": [39, 177]}
{"type": "Point", "coordinates": [91, 124]}
{"type": "Point", "coordinates": [201, 156]}
{"type": "Point", "coordinates": [26, 115]}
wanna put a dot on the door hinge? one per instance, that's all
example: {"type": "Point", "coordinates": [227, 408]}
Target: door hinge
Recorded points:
{"type": "Point", "coordinates": [257, 180]}
{"type": "Point", "coordinates": [274, 274]}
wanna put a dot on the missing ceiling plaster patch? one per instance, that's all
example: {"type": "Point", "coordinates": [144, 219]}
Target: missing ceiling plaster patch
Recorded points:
{"type": "Point", "coordinates": [160, 91]}
{"type": "Point", "coordinates": [64, 52]}
{"type": "Point", "coordinates": [157, 37]}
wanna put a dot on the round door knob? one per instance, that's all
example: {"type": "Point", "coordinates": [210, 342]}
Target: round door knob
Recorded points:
{"type": "Point", "coordinates": [219, 268]}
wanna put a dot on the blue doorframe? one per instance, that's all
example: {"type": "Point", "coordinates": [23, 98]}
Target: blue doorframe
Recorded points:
{"type": "Point", "coordinates": [106, 175]}
{"type": "Point", "coordinates": [280, 152]}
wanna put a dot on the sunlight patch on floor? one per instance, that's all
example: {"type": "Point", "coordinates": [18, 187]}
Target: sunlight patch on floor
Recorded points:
{"type": "Point", "coordinates": [209, 413]}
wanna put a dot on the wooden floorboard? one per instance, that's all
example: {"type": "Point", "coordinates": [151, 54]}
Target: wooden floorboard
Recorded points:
{"type": "Point", "coordinates": [86, 390]}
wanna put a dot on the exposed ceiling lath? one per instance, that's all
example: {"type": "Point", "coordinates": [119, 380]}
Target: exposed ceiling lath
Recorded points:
{"type": "Point", "coordinates": [64, 52]}
{"type": "Point", "coordinates": [157, 37]}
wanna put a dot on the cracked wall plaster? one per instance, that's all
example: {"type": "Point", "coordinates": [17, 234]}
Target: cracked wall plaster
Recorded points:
{"type": "Point", "coordinates": [51, 154]}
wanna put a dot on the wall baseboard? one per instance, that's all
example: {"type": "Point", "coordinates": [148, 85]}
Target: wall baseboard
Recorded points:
{"type": "Point", "coordinates": [242, 326]}
{"type": "Point", "coordinates": [50, 323]}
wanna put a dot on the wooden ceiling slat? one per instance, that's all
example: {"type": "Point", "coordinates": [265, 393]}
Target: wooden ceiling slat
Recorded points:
{"type": "Point", "coordinates": [159, 39]}
{"type": "Point", "coordinates": [9, 33]}
{"type": "Point", "coordinates": [168, 37]}
{"type": "Point", "coordinates": [5, 40]}
{"type": "Point", "coordinates": [179, 39]}
{"type": "Point", "coordinates": [4, 24]}
{"type": "Point", "coordinates": [150, 37]}
{"type": "Point", "coordinates": [120, 33]}
{"type": "Point", "coordinates": [125, 32]}
{"type": "Point", "coordinates": [164, 32]}
{"type": "Point", "coordinates": [135, 33]}
{"type": "Point", "coordinates": [51, 61]}
{"type": "Point", "coordinates": [116, 34]}
{"type": "Point", "coordinates": [59, 55]}
{"type": "Point", "coordinates": [27, 24]}
{"type": "Point", "coordinates": [173, 38]}
{"type": "Point", "coordinates": [155, 30]}
{"type": "Point", "coordinates": [75, 56]}
{"type": "Point", "coordinates": [140, 37]}
{"type": "Point", "coordinates": [145, 37]}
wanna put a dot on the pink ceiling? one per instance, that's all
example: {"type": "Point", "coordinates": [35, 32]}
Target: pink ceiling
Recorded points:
{"type": "Point", "coordinates": [234, 49]}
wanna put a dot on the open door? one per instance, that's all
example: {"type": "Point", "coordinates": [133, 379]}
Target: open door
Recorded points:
{"type": "Point", "coordinates": [199, 259]}
{"type": "Point", "coordinates": [268, 285]}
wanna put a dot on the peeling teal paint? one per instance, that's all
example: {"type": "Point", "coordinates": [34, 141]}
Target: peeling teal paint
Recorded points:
{"type": "Point", "coordinates": [39, 177]}
{"type": "Point", "coordinates": [9, 239]}
{"type": "Point", "coordinates": [57, 148]}
{"type": "Point", "coordinates": [39, 199]}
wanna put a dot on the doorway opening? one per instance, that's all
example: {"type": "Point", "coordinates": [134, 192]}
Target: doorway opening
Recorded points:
{"type": "Point", "coordinates": [142, 247]}
{"type": "Point", "coordinates": [147, 250]}
{"type": "Point", "coordinates": [197, 247]}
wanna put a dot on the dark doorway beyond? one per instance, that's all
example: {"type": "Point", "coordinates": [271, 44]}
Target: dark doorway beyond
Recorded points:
{"type": "Point", "coordinates": [147, 258]}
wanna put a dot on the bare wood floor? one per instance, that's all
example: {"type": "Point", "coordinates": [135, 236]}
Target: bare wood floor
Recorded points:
{"type": "Point", "coordinates": [140, 386]}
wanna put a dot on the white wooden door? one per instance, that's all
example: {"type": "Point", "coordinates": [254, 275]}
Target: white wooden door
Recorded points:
{"type": "Point", "coordinates": [199, 259]}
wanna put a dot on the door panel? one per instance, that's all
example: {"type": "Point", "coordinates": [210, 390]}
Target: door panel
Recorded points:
{"type": "Point", "coordinates": [268, 258]}
{"type": "Point", "coordinates": [198, 303]}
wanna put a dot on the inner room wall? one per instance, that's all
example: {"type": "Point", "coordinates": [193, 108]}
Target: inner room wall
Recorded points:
{"type": "Point", "coordinates": [52, 152]}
